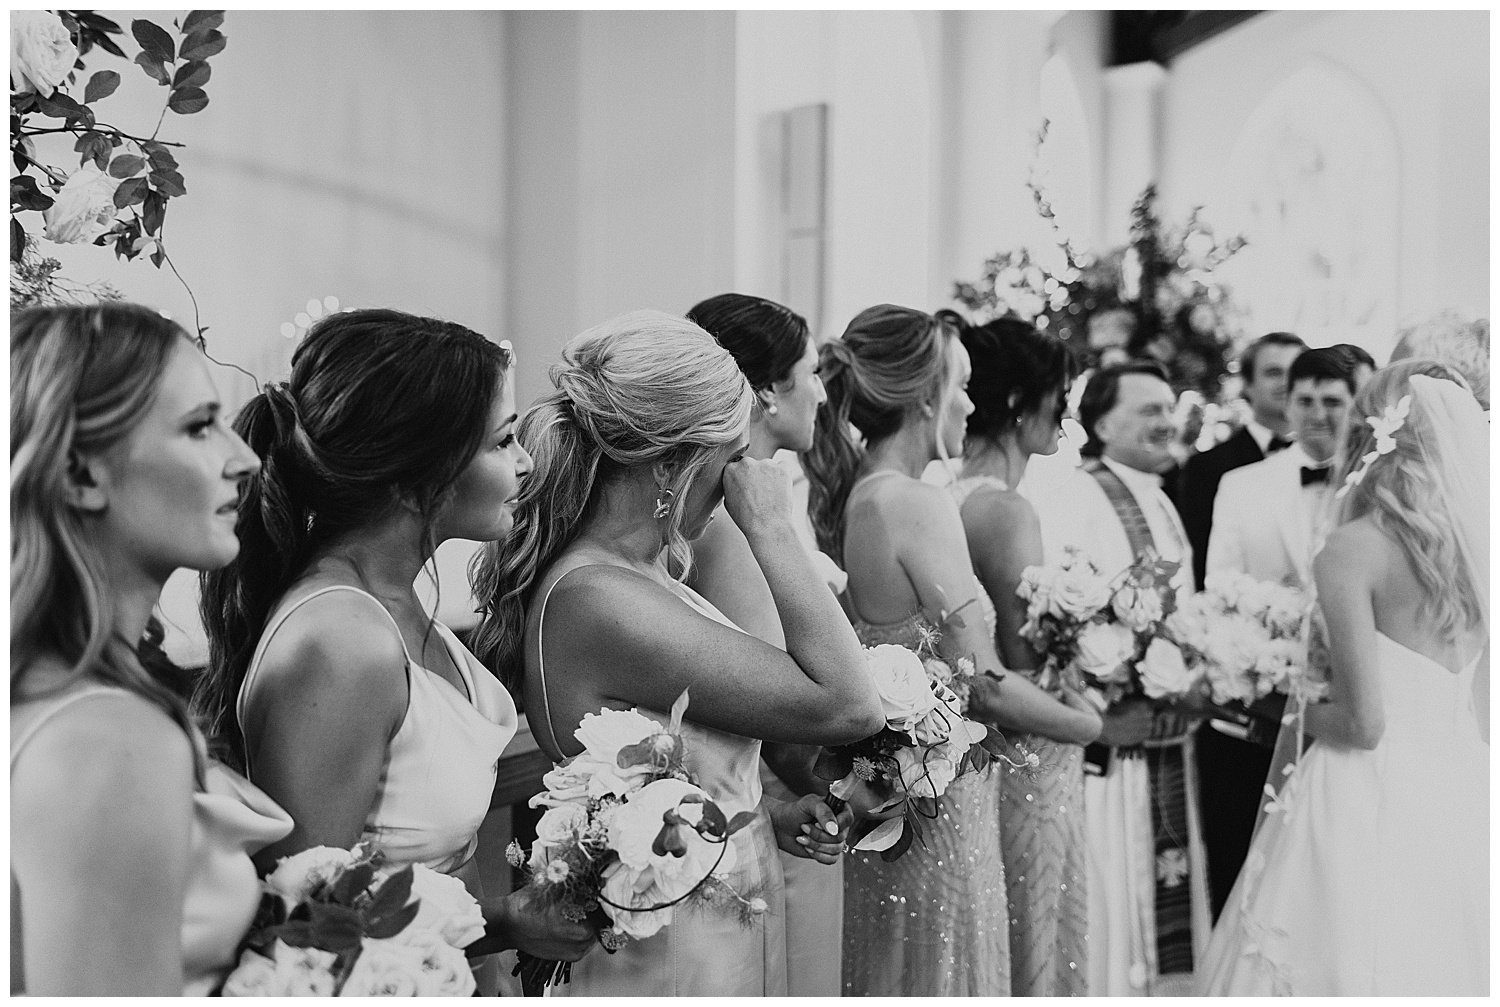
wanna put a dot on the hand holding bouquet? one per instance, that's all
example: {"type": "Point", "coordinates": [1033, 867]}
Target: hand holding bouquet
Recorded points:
{"type": "Point", "coordinates": [629, 833]}
{"type": "Point", "coordinates": [341, 923]}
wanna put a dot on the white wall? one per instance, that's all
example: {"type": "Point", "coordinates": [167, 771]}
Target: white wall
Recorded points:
{"type": "Point", "coordinates": [358, 156]}
{"type": "Point", "coordinates": [1425, 72]}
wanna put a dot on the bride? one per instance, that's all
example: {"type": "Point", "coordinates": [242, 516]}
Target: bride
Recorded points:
{"type": "Point", "coordinates": [1369, 874]}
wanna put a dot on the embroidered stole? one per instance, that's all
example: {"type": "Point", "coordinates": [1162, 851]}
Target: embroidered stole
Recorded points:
{"type": "Point", "coordinates": [1168, 774]}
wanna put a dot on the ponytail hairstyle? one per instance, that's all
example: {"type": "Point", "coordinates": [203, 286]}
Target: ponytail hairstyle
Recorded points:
{"type": "Point", "coordinates": [81, 379]}
{"type": "Point", "coordinates": [766, 338]}
{"type": "Point", "coordinates": [381, 407]}
{"type": "Point", "coordinates": [888, 361]}
{"type": "Point", "coordinates": [1016, 367]}
{"type": "Point", "coordinates": [645, 390]}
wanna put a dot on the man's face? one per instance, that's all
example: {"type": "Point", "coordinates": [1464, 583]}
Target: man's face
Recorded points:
{"type": "Point", "coordinates": [1138, 431]}
{"type": "Point", "coordinates": [1318, 414]}
{"type": "Point", "coordinates": [1266, 390]}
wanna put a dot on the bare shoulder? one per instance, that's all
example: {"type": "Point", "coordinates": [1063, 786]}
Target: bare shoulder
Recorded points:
{"type": "Point", "coordinates": [912, 501]}
{"type": "Point", "coordinates": [340, 641]}
{"type": "Point", "coordinates": [101, 741]}
{"type": "Point", "coordinates": [1000, 510]}
{"type": "Point", "coordinates": [1355, 549]}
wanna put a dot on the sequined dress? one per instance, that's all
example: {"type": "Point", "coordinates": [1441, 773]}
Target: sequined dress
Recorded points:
{"type": "Point", "coordinates": [1042, 842]}
{"type": "Point", "coordinates": [931, 923]}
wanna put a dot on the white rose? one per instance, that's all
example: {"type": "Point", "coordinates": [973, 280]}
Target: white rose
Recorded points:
{"type": "Point", "coordinates": [905, 691]}
{"type": "Point", "coordinates": [925, 772]}
{"type": "Point", "coordinates": [1164, 674]}
{"type": "Point", "coordinates": [297, 875]}
{"type": "Point", "coordinates": [561, 822]}
{"type": "Point", "coordinates": [625, 886]}
{"type": "Point", "coordinates": [1103, 649]}
{"type": "Point", "coordinates": [1078, 593]}
{"type": "Point", "coordinates": [441, 969]}
{"type": "Point", "coordinates": [1189, 624]}
{"type": "Point", "coordinates": [384, 969]}
{"type": "Point", "coordinates": [1137, 606]}
{"type": "Point", "coordinates": [446, 908]}
{"type": "Point", "coordinates": [254, 976]}
{"type": "Point", "coordinates": [305, 972]}
{"type": "Point", "coordinates": [585, 776]}
{"type": "Point", "coordinates": [84, 209]}
{"type": "Point", "coordinates": [604, 733]}
{"type": "Point", "coordinates": [633, 829]}
{"type": "Point", "coordinates": [42, 52]}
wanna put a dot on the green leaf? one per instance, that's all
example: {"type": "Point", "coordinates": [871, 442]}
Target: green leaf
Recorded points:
{"type": "Point", "coordinates": [203, 44]}
{"type": "Point", "coordinates": [187, 100]}
{"type": "Point", "coordinates": [900, 846]}
{"type": "Point", "coordinates": [153, 212]}
{"type": "Point", "coordinates": [60, 106]}
{"type": "Point", "coordinates": [157, 256]}
{"type": "Point", "coordinates": [392, 895]}
{"type": "Point", "coordinates": [126, 165]}
{"type": "Point", "coordinates": [101, 85]}
{"type": "Point", "coordinates": [353, 882]}
{"type": "Point", "coordinates": [392, 924]}
{"type": "Point", "coordinates": [295, 934]}
{"type": "Point", "coordinates": [168, 183]}
{"type": "Point", "coordinates": [153, 67]}
{"type": "Point", "coordinates": [713, 823]}
{"type": "Point", "coordinates": [201, 20]}
{"type": "Point", "coordinates": [335, 927]}
{"type": "Point", "coordinates": [154, 40]}
{"type": "Point", "coordinates": [130, 192]}
{"type": "Point", "coordinates": [17, 240]}
{"type": "Point", "coordinates": [194, 74]}
{"type": "Point", "coordinates": [25, 194]}
{"type": "Point", "coordinates": [161, 157]}
{"type": "Point", "coordinates": [740, 821]}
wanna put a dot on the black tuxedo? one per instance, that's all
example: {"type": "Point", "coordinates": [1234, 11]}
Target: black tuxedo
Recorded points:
{"type": "Point", "coordinates": [1199, 482]}
{"type": "Point", "coordinates": [1231, 772]}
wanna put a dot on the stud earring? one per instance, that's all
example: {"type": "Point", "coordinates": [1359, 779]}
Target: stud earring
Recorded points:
{"type": "Point", "coordinates": [771, 409]}
{"type": "Point", "coordinates": [663, 504]}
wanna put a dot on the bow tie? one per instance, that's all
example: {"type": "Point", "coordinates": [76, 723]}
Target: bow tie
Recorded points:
{"type": "Point", "coordinates": [1277, 443]}
{"type": "Point", "coordinates": [1313, 476]}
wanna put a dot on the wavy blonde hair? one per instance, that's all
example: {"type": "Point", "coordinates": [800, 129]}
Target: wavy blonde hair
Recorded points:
{"type": "Point", "coordinates": [646, 390]}
{"type": "Point", "coordinates": [1400, 494]}
{"type": "Point", "coordinates": [81, 379]}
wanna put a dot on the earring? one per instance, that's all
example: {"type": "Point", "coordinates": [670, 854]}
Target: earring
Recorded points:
{"type": "Point", "coordinates": [663, 504]}
{"type": "Point", "coordinates": [771, 409]}
{"type": "Point", "coordinates": [927, 410]}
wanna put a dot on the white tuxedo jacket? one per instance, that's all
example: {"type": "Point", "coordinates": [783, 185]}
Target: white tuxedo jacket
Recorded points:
{"type": "Point", "coordinates": [1264, 524]}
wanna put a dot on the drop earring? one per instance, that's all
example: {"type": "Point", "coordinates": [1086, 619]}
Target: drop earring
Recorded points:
{"type": "Point", "coordinates": [663, 504]}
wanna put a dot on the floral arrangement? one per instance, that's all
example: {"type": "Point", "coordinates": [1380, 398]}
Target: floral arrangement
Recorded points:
{"type": "Point", "coordinates": [1105, 634]}
{"type": "Point", "coordinates": [340, 923]}
{"type": "Point", "coordinates": [1156, 296]}
{"type": "Point", "coordinates": [628, 832]}
{"type": "Point", "coordinates": [925, 745]}
{"type": "Point", "coordinates": [119, 191]}
{"type": "Point", "coordinates": [1244, 637]}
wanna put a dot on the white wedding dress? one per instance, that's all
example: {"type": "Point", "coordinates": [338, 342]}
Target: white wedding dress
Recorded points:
{"type": "Point", "coordinates": [1370, 876]}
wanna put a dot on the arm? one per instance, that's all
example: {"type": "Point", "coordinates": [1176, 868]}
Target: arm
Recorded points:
{"type": "Point", "coordinates": [331, 694]}
{"type": "Point", "coordinates": [1005, 537]}
{"type": "Point", "coordinates": [1346, 570]}
{"type": "Point", "coordinates": [935, 556]}
{"type": "Point", "coordinates": [101, 815]}
{"type": "Point", "coordinates": [724, 572]}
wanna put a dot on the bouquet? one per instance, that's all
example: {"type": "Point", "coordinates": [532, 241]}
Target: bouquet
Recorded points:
{"type": "Point", "coordinates": [338, 922]}
{"type": "Point", "coordinates": [628, 832]}
{"type": "Point", "coordinates": [925, 745]}
{"type": "Point", "coordinates": [1244, 636]}
{"type": "Point", "coordinates": [1105, 634]}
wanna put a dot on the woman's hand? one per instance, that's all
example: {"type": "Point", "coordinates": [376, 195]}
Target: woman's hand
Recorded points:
{"type": "Point", "coordinates": [1128, 722]}
{"type": "Point", "coordinates": [757, 495]}
{"type": "Point", "coordinates": [518, 921]}
{"type": "Point", "coordinates": [808, 828]}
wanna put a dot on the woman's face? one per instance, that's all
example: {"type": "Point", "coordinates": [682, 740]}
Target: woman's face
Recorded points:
{"type": "Point", "coordinates": [708, 489]}
{"type": "Point", "coordinates": [483, 504]}
{"type": "Point", "coordinates": [797, 399]}
{"type": "Point", "coordinates": [167, 495]}
{"type": "Point", "coordinates": [1040, 430]}
{"type": "Point", "coordinates": [955, 405]}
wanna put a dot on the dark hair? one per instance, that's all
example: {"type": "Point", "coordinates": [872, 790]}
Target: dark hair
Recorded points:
{"type": "Point", "coordinates": [381, 406]}
{"type": "Point", "coordinates": [1252, 352]}
{"type": "Point", "coordinates": [887, 361]}
{"type": "Point", "coordinates": [1358, 356]}
{"type": "Point", "coordinates": [1102, 392]}
{"type": "Point", "coordinates": [81, 379]}
{"type": "Point", "coordinates": [1327, 363]}
{"type": "Point", "coordinates": [1016, 366]}
{"type": "Point", "coordinates": [765, 338]}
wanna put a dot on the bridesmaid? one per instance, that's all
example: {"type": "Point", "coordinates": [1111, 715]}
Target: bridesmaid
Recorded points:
{"type": "Point", "coordinates": [933, 922]}
{"type": "Point", "coordinates": [772, 347]}
{"type": "Point", "coordinates": [130, 869]}
{"type": "Point", "coordinates": [642, 438]}
{"type": "Point", "coordinates": [1019, 380]}
{"type": "Point", "coordinates": [362, 715]}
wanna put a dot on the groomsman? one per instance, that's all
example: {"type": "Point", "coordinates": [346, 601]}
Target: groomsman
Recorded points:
{"type": "Point", "coordinates": [1147, 886]}
{"type": "Point", "coordinates": [1269, 519]}
{"type": "Point", "coordinates": [1263, 367]}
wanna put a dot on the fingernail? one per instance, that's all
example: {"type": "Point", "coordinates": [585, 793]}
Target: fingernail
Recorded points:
{"type": "Point", "coordinates": [832, 827]}
{"type": "Point", "coordinates": [802, 840]}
